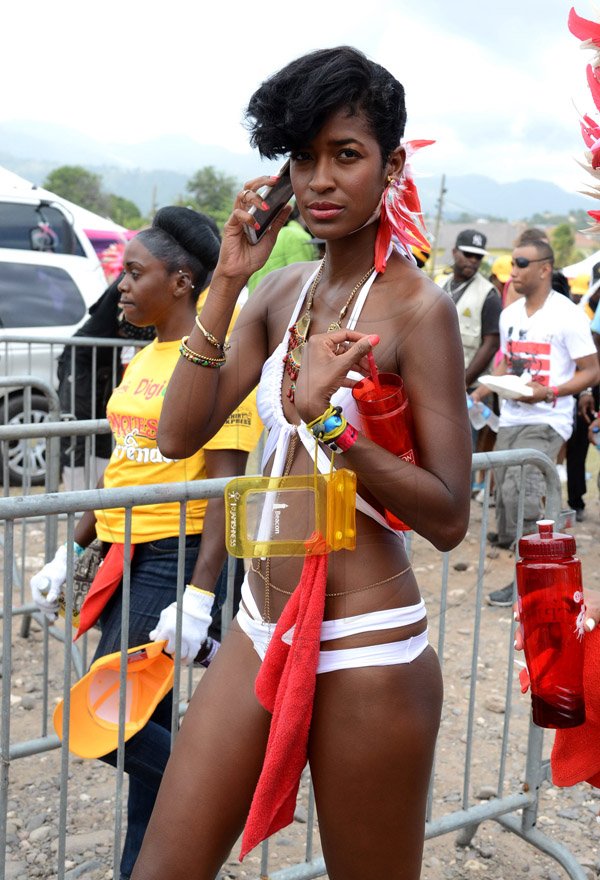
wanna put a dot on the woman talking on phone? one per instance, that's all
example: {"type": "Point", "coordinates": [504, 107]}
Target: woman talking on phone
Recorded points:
{"type": "Point", "coordinates": [372, 723]}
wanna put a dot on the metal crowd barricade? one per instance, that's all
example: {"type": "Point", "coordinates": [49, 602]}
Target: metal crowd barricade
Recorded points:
{"type": "Point", "coordinates": [37, 356]}
{"type": "Point", "coordinates": [26, 385]}
{"type": "Point", "coordinates": [49, 433]}
{"type": "Point", "coordinates": [516, 788]}
{"type": "Point", "coordinates": [91, 368]}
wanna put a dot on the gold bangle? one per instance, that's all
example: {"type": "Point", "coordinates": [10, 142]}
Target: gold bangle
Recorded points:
{"type": "Point", "coordinates": [210, 337]}
{"type": "Point", "coordinates": [199, 590]}
{"type": "Point", "coordinates": [200, 360]}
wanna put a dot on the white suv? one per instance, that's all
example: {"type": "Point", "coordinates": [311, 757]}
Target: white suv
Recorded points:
{"type": "Point", "coordinates": [49, 276]}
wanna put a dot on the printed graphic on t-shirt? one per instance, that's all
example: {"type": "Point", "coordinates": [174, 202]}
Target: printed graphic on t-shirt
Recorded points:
{"type": "Point", "coordinates": [145, 387]}
{"type": "Point", "coordinates": [239, 419]}
{"type": "Point", "coordinates": [122, 424]}
{"type": "Point", "coordinates": [135, 439]}
{"type": "Point", "coordinates": [531, 357]}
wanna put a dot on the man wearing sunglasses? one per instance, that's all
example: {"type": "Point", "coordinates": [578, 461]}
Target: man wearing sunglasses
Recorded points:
{"type": "Point", "coordinates": [477, 302]}
{"type": "Point", "coordinates": [545, 339]}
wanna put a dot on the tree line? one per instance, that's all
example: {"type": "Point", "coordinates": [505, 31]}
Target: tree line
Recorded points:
{"type": "Point", "coordinates": [209, 191]}
{"type": "Point", "coordinates": [212, 192]}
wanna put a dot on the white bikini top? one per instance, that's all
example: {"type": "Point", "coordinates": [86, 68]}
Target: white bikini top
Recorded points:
{"type": "Point", "coordinates": [270, 407]}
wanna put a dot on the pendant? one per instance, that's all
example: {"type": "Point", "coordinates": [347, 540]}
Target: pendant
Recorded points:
{"type": "Point", "coordinates": [333, 327]}
{"type": "Point", "coordinates": [295, 356]}
{"type": "Point", "coordinates": [302, 325]}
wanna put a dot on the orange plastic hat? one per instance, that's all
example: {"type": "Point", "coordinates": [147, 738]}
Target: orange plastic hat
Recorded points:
{"type": "Point", "coordinates": [94, 718]}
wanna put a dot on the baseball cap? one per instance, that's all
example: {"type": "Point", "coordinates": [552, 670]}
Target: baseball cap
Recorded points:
{"type": "Point", "coordinates": [579, 285]}
{"type": "Point", "coordinates": [471, 242]}
{"type": "Point", "coordinates": [501, 267]}
{"type": "Point", "coordinates": [94, 716]}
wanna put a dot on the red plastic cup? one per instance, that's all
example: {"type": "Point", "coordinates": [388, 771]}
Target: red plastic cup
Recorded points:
{"type": "Point", "coordinates": [386, 419]}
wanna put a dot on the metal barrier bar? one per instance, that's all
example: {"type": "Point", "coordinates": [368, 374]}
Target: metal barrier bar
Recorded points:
{"type": "Point", "coordinates": [82, 428]}
{"type": "Point", "coordinates": [117, 342]}
{"type": "Point", "coordinates": [40, 385]}
{"type": "Point", "coordinates": [5, 698]}
{"type": "Point", "coordinates": [466, 820]}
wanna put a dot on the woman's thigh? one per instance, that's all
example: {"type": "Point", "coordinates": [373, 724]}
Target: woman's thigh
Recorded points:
{"type": "Point", "coordinates": [208, 785]}
{"type": "Point", "coordinates": [371, 750]}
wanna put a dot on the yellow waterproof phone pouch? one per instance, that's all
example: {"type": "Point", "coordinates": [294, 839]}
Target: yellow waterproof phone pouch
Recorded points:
{"type": "Point", "coordinates": [277, 516]}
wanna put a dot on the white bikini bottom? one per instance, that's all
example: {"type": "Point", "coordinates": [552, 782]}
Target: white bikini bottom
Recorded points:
{"type": "Point", "coordinates": [387, 654]}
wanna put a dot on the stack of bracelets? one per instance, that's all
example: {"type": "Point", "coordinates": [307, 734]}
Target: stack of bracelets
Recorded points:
{"type": "Point", "coordinates": [332, 429]}
{"type": "Point", "coordinates": [201, 360]}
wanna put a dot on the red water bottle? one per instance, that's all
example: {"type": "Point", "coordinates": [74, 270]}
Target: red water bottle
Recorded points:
{"type": "Point", "coordinates": [386, 419]}
{"type": "Point", "coordinates": [551, 610]}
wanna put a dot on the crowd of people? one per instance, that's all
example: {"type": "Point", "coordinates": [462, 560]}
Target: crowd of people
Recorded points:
{"type": "Point", "coordinates": [327, 652]}
{"type": "Point", "coordinates": [524, 321]}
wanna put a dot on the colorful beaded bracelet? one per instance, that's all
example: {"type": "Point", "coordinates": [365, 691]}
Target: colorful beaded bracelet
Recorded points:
{"type": "Point", "coordinates": [199, 360]}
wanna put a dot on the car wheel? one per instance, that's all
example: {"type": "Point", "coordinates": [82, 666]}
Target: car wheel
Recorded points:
{"type": "Point", "coordinates": [26, 457]}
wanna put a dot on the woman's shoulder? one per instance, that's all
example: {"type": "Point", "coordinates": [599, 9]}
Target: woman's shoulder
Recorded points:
{"type": "Point", "coordinates": [289, 277]}
{"type": "Point", "coordinates": [413, 289]}
{"type": "Point", "coordinates": [278, 291]}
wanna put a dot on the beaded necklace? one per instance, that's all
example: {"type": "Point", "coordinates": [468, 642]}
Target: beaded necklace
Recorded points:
{"type": "Point", "coordinates": [299, 330]}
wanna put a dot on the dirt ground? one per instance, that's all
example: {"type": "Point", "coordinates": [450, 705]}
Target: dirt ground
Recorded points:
{"type": "Point", "coordinates": [569, 816]}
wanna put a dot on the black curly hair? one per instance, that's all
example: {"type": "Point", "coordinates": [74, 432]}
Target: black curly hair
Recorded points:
{"type": "Point", "coordinates": [184, 239]}
{"type": "Point", "coordinates": [290, 107]}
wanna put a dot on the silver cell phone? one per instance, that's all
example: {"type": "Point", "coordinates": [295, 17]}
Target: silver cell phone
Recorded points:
{"type": "Point", "coordinates": [276, 197]}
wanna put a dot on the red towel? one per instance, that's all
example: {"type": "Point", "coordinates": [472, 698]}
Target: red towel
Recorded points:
{"type": "Point", "coordinates": [576, 751]}
{"type": "Point", "coordinates": [285, 686]}
{"type": "Point", "coordinates": [108, 578]}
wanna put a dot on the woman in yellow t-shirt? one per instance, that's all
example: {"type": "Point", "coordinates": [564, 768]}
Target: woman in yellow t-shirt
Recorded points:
{"type": "Point", "coordinates": [165, 269]}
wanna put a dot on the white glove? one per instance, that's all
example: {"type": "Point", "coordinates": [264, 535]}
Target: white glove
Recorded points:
{"type": "Point", "coordinates": [195, 621]}
{"type": "Point", "coordinates": [46, 584]}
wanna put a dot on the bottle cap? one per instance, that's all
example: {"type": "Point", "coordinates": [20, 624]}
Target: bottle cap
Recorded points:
{"type": "Point", "coordinates": [547, 544]}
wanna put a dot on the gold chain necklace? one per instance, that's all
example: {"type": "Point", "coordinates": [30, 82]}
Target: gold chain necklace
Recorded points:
{"type": "Point", "coordinates": [299, 330]}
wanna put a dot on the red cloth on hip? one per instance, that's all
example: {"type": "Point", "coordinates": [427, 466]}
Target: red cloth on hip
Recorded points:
{"type": "Point", "coordinates": [285, 686]}
{"type": "Point", "coordinates": [576, 751]}
{"type": "Point", "coordinates": [108, 578]}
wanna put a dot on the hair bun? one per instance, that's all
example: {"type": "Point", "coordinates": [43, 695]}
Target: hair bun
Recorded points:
{"type": "Point", "coordinates": [195, 232]}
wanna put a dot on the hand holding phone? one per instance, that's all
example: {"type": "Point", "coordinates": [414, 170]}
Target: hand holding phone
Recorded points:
{"type": "Point", "coordinates": [276, 197]}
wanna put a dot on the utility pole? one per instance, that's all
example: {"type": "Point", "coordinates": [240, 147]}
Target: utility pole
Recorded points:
{"type": "Point", "coordinates": [153, 206]}
{"type": "Point", "coordinates": [438, 221]}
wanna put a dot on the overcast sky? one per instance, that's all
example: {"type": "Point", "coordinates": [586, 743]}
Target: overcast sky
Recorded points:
{"type": "Point", "coordinates": [493, 83]}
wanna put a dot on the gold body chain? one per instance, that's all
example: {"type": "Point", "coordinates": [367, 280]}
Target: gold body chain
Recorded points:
{"type": "Point", "coordinates": [271, 586]}
{"type": "Point", "coordinates": [266, 577]}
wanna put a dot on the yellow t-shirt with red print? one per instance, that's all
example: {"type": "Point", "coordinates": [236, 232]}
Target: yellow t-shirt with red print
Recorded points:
{"type": "Point", "coordinates": [133, 412]}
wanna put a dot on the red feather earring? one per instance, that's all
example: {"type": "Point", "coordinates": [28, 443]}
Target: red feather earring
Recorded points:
{"type": "Point", "coordinates": [401, 220]}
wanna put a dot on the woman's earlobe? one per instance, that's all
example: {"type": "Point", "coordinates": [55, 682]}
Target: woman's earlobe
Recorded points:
{"type": "Point", "coordinates": [396, 163]}
{"type": "Point", "coordinates": [184, 283]}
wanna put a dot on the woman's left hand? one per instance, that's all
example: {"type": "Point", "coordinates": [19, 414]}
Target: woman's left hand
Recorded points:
{"type": "Point", "coordinates": [326, 360]}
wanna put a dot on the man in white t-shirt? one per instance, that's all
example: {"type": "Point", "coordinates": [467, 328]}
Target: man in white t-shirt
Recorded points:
{"type": "Point", "coordinates": [545, 338]}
